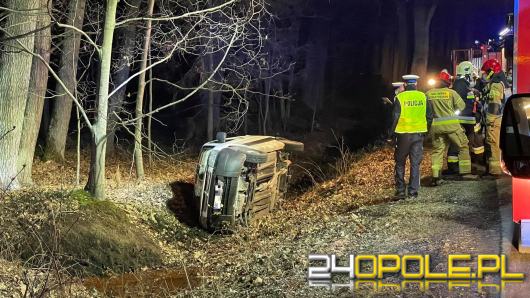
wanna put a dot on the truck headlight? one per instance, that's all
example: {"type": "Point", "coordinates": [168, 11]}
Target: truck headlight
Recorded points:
{"type": "Point", "coordinates": [217, 200]}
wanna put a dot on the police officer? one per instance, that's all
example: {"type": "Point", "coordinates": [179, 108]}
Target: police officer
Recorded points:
{"type": "Point", "coordinates": [494, 94]}
{"type": "Point", "coordinates": [398, 87]}
{"type": "Point", "coordinates": [446, 128]}
{"type": "Point", "coordinates": [412, 118]}
{"type": "Point", "coordinates": [472, 116]}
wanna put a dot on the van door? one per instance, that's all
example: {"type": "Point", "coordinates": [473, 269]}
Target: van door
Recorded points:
{"type": "Point", "coordinates": [515, 136]}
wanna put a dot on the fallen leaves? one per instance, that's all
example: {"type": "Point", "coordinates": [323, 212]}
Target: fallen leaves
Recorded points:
{"type": "Point", "coordinates": [272, 251]}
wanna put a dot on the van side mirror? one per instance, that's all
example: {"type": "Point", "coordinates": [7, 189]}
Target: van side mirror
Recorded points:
{"type": "Point", "coordinates": [515, 135]}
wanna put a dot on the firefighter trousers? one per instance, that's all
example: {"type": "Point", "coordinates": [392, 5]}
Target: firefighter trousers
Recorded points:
{"type": "Point", "coordinates": [493, 152]}
{"type": "Point", "coordinates": [441, 141]}
{"type": "Point", "coordinates": [476, 147]}
{"type": "Point", "coordinates": [408, 145]}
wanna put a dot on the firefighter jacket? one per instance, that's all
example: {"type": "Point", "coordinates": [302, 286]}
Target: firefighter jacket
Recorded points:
{"type": "Point", "coordinates": [446, 104]}
{"type": "Point", "coordinates": [495, 98]}
{"type": "Point", "coordinates": [473, 107]}
{"type": "Point", "coordinates": [412, 113]}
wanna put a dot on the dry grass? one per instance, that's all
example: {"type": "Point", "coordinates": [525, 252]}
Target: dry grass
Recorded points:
{"type": "Point", "coordinates": [272, 252]}
{"type": "Point", "coordinates": [119, 171]}
{"type": "Point", "coordinates": [270, 257]}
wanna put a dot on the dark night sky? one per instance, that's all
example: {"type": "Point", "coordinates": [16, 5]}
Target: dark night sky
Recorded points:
{"type": "Point", "coordinates": [356, 77]}
{"type": "Point", "coordinates": [473, 20]}
{"type": "Point", "coordinates": [355, 22]}
{"type": "Point", "coordinates": [353, 34]}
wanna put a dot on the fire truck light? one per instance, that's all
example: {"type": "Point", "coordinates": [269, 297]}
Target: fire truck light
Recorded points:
{"type": "Point", "coordinates": [504, 31]}
{"type": "Point", "coordinates": [457, 112]}
{"type": "Point", "coordinates": [431, 82]}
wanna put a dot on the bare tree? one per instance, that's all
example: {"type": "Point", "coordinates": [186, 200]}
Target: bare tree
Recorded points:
{"type": "Point", "coordinates": [15, 70]}
{"type": "Point", "coordinates": [423, 14]}
{"type": "Point", "coordinates": [401, 49]}
{"type": "Point", "coordinates": [316, 66]}
{"type": "Point", "coordinates": [125, 56]}
{"type": "Point", "coordinates": [62, 108]}
{"type": "Point", "coordinates": [179, 29]}
{"type": "Point", "coordinates": [96, 181]}
{"type": "Point", "coordinates": [138, 156]}
{"type": "Point", "coordinates": [37, 91]}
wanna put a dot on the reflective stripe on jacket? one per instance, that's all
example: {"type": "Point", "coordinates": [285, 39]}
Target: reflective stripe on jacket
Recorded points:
{"type": "Point", "coordinates": [454, 120]}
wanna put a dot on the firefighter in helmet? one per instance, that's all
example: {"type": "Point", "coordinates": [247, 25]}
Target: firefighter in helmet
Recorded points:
{"type": "Point", "coordinates": [412, 118]}
{"type": "Point", "coordinates": [494, 94]}
{"type": "Point", "coordinates": [471, 116]}
{"type": "Point", "coordinates": [446, 128]}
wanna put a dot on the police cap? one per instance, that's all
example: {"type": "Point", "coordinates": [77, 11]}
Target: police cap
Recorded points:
{"type": "Point", "coordinates": [411, 79]}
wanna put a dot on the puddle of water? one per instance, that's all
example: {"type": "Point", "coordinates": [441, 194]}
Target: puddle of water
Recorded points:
{"type": "Point", "coordinates": [151, 282]}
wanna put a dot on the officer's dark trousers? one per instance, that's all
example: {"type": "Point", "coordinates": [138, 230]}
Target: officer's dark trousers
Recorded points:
{"type": "Point", "coordinates": [411, 146]}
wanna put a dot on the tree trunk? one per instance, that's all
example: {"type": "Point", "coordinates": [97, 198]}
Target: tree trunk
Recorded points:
{"type": "Point", "coordinates": [15, 73]}
{"type": "Point", "coordinates": [387, 57]}
{"type": "Point", "coordinates": [96, 181]}
{"type": "Point", "coordinates": [266, 102]}
{"type": "Point", "coordinates": [283, 102]}
{"type": "Point", "coordinates": [37, 91]}
{"type": "Point", "coordinates": [210, 125]}
{"type": "Point", "coordinates": [315, 72]}
{"type": "Point", "coordinates": [138, 156]}
{"type": "Point", "coordinates": [150, 117]}
{"type": "Point", "coordinates": [377, 45]}
{"type": "Point", "coordinates": [401, 56]}
{"type": "Point", "coordinates": [125, 52]}
{"type": "Point", "coordinates": [214, 97]}
{"type": "Point", "coordinates": [291, 90]}
{"type": "Point", "coordinates": [423, 13]}
{"type": "Point", "coordinates": [260, 115]}
{"type": "Point", "coordinates": [62, 108]}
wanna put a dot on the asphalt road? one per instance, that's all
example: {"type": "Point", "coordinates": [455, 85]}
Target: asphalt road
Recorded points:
{"type": "Point", "coordinates": [460, 217]}
{"type": "Point", "coordinates": [517, 262]}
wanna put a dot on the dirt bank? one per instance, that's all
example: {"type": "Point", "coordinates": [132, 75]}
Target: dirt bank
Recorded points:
{"type": "Point", "coordinates": [353, 213]}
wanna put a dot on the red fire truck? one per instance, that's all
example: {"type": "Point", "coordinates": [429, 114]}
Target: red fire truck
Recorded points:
{"type": "Point", "coordinates": [515, 129]}
{"type": "Point", "coordinates": [477, 55]}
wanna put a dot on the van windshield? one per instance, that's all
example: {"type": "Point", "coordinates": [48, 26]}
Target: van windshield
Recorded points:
{"type": "Point", "coordinates": [521, 108]}
{"type": "Point", "coordinates": [203, 159]}
{"type": "Point", "coordinates": [515, 136]}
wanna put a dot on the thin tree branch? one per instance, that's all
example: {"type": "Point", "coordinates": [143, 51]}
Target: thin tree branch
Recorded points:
{"type": "Point", "coordinates": [210, 77]}
{"type": "Point", "coordinates": [90, 41]}
{"type": "Point", "coordinates": [25, 34]}
{"type": "Point", "coordinates": [78, 104]}
{"type": "Point", "coordinates": [182, 16]}
{"type": "Point", "coordinates": [173, 50]}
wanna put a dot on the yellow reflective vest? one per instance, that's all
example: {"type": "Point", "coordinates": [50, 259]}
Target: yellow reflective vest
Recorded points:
{"type": "Point", "coordinates": [413, 117]}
